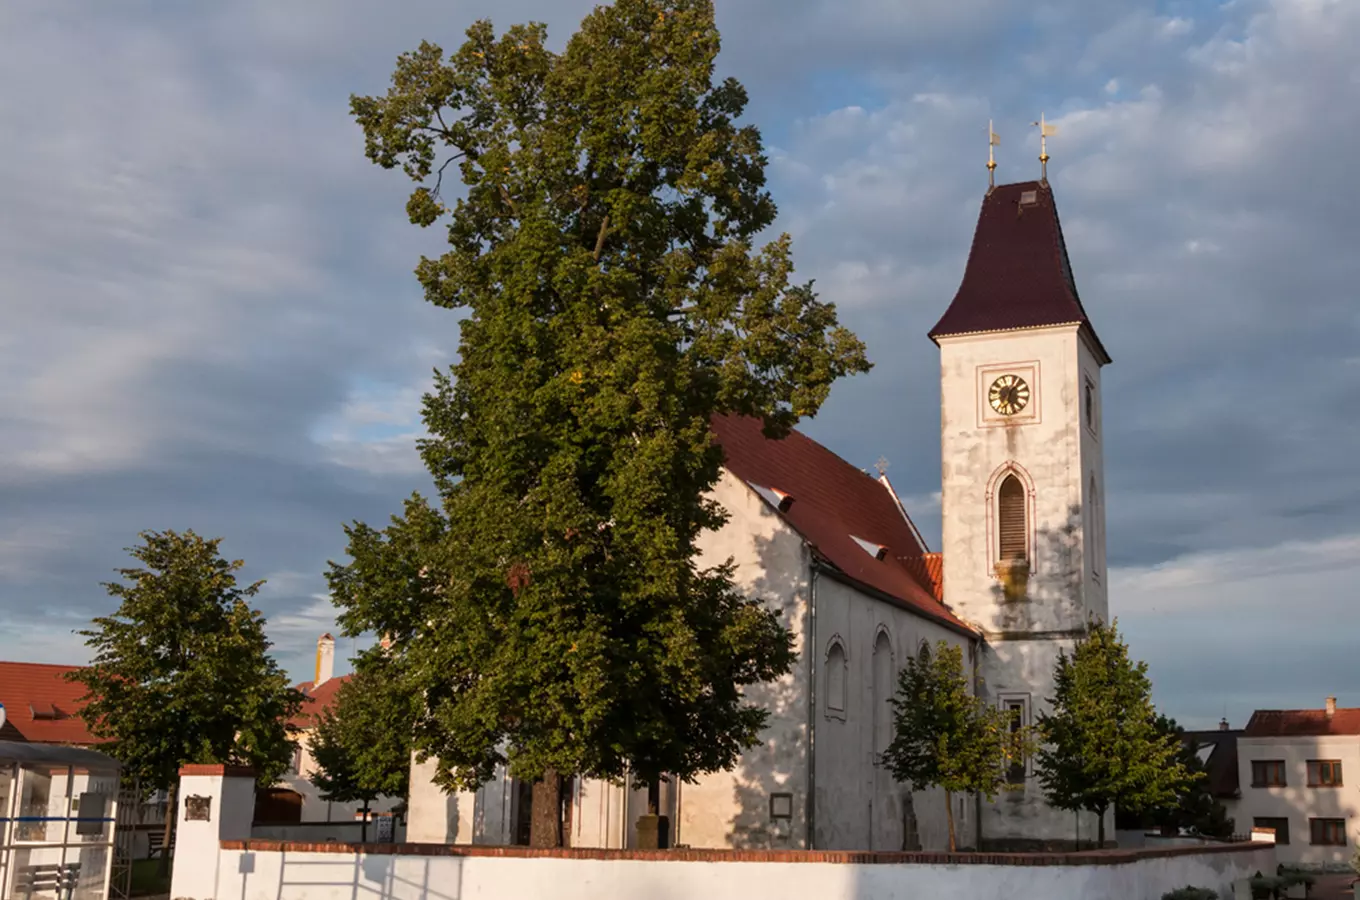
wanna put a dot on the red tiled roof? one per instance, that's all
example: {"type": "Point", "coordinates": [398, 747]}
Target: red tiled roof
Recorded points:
{"type": "Point", "coordinates": [1018, 274]}
{"type": "Point", "coordinates": [1302, 723]}
{"type": "Point", "coordinates": [833, 503]}
{"type": "Point", "coordinates": [929, 571]}
{"type": "Point", "coordinates": [41, 706]}
{"type": "Point", "coordinates": [318, 699]}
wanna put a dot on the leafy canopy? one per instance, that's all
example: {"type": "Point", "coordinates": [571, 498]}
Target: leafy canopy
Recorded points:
{"type": "Point", "coordinates": [181, 671]}
{"type": "Point", "coordinates": [1102, 743]}
{"type": "Point", "coordinates": [944, 736]}
{"type": "Point", "coordinates": [361, 744]}
{"type": "Point", "coordinates": [601, 247]}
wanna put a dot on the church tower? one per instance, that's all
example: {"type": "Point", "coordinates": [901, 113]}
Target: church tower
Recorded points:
{"type": "Point", "coordinates": [1023, 479]}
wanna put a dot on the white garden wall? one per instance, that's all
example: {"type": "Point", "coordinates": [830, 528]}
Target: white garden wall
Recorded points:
{"type": "Point", "coordinates": [265, 871]}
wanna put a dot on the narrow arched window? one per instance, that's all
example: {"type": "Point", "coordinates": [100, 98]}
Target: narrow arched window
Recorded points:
{"type": "Point", "coordinates": [1097, 521]}
{"type": "Point", "coordinates": [1012, 518]}
{"type": "Point", "coordinates": [835, 678]}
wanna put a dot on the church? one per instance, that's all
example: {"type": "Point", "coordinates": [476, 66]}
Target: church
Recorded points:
{"type": "Point", "coordinates": [831, 548]}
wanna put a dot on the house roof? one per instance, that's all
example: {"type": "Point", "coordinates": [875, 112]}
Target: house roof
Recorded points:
{"type": "Point", "coordinates": [851, 520]}
{"type": "Point", "coordinates": [318, 699]}
{"type": "Point", "coordinates": [1018, 274]}
{"type": "Point", "coordinates": [41, 706]}
{"type": "Point", "coordinates": [1302, 723]}
{"type": "Point", "coordinates": [1221, 764]}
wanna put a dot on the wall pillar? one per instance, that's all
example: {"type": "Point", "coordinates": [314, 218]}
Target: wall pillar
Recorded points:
{"type": "Point", "coordinates": [214, 803]}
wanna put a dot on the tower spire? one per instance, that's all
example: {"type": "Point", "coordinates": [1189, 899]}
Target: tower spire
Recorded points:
{"type": "Point", "coordinates": [1045, 132]}
{"type": "Point", "coordinates": [993, 141]}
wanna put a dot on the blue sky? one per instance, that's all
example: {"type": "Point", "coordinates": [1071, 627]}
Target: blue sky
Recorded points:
{"type": "Point", "coordinates": [210, 320]}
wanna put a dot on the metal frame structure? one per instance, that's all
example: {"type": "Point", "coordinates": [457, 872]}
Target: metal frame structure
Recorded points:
{"type": "Point", "coordinates": [49, 845]}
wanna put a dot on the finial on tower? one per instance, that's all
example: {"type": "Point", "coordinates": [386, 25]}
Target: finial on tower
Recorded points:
{"type": "Point", "coordinates": [993, 141]}
{"type": "Point", "coordinates": [882, 466]}
{"type": "Point", "coordinates": [1046, 131]}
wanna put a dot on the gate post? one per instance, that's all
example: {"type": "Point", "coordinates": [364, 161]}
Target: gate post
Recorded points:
{"type": "Point", "coordinates": [215, 803]}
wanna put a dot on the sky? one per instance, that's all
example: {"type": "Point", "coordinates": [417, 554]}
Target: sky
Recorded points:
{"type": "Point", "coordinates": [210, 320]}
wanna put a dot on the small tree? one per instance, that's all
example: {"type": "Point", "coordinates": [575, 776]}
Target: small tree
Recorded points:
{"type": "Point", "coordinates": [361, 745]}
{"type": "Point", "coordinates": [1102, 744]}
{"type": "Point", "coordinates": [181, 672]}
{"type": "Point", "coordinates": [945, 736]}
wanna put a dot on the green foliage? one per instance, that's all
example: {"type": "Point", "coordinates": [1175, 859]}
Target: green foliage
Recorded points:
{"type": "Point", "coordinates": [181, 672]}
{"type": "Point", "coordinates": [944, 736]}
{"type": "Point", "coordinates": [1195, 807]}
{"type": "Point", "coordinates": [1102, 745]}
{"type": "Point", "coordinates": [362, 743]}
{"type": "Point", "coordinates": [601, 246]}
{"type": "Point", "coordinates": [1191, 893]}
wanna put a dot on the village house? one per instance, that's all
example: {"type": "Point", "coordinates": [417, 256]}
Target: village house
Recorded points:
{"type": "Point", "coordinates": [1293, 767]}
{"type": "Point", "coordinates": [1022, 570]}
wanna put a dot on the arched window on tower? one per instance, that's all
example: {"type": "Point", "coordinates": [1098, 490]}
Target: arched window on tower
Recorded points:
{"type": "Point", "coordinates": [1012, 518]}
{"type": "Point", "coordinates": [1097, 521]}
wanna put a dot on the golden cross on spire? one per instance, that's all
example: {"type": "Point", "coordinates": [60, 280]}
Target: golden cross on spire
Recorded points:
{"type": "Point", "coordinates": [993, 141]}
{"type": "Point", "coordinates": [882, 466]}
{"type": "Point", "coordinates": [1046, 131]}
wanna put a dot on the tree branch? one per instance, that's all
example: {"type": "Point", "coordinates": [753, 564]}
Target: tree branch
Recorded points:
{"type": "Point", "coordinates": [439, 176]}
{"type": "Point", "coordinates": [505, 195]}
{"type": "Point", "coordinates": [599, 241]}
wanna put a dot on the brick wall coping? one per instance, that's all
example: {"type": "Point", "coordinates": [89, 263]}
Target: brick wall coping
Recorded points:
{"type": "Point", "coordinates": [226, 771]}
{"type": "Point", "coordinates": [843, 857]}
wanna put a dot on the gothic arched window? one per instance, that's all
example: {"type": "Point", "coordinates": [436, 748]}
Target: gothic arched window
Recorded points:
{"type": "Point", "coordinates": [836, 666]}
{"type": "Point", "coordinates": [1012, 518]}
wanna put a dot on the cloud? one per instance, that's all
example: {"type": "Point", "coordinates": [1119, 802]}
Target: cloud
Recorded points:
{"type": "Point", "coordinates": [211, 320]}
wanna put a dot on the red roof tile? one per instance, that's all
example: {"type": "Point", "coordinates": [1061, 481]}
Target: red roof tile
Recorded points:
{"type": "Point", "coordinates": [833, 503]}
{"type": "Point", "coordinates": [41, 706]}
{"type": "Point", "coordinates": [1018, 274]}
{"type": "Point", "coordinates": [1302, 723]}
{"type": "Point", "coordinates": [318, 699]}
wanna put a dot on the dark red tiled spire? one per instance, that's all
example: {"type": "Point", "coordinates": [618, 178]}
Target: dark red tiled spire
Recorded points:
{"type": "Point", "coordinates": [1018, 274]}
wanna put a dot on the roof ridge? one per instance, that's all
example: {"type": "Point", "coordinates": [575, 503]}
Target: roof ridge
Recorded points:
{"type": "Point", "coordinates": [14, 662]}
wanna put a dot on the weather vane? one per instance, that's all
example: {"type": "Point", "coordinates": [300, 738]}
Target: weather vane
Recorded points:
{"type": "Point", "coordinates": [993, 141]}
{"type": "Point", "coordinates": [1046, 131]}
{"type": "Point", "coordinates": [882, 466]}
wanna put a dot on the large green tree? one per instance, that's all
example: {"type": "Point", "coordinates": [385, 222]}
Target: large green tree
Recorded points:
{"type": "Point", "coordinates": [361, 744]}
{"type": "Point", "coordinates": [602, 248]}
{"type": "Point", "coordinates": [945, 736]}
{"type": "Point", "coordinates": [1103, 746]}
{"type": "Point", "coordinates": [181, 671]}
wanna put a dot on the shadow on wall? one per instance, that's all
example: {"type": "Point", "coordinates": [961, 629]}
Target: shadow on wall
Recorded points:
{"type": "Point", "coordinates": [1052, 579]}
{"type": "Point", "coordinates": [365, 876]}
{"type": "Point", "coordinates": [770, 780]}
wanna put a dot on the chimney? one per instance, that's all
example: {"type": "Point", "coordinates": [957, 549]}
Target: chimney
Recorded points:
{"type": "Point", "coordinates": [1331, 707]}
{"type": "Point", "coordinates": [1222, 724]}
{"type": "Point", "coordinates": [325, 660]}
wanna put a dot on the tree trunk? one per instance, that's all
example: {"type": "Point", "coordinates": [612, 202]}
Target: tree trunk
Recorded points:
{"type": "Point", "coordinates": [363, 826]}
{"type": "Point", "coordinates": [545, 826]}
{"type": "Point", "coordinates": [163, 865]}
{"type": "Point", "coordinates": [949, 815]}
{"type": "Point", "coordinates": [1100, 829]}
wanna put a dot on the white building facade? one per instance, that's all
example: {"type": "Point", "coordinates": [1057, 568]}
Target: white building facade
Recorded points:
{"type": "Point", "coordinates": [1299, 774]}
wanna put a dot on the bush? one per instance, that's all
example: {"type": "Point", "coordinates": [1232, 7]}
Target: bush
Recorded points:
{"type": "Point", "coordinates": [1191, 893]}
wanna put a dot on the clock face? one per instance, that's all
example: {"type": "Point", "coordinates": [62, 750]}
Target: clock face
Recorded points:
{"type": "Point", "coordinates": [1009, 395]}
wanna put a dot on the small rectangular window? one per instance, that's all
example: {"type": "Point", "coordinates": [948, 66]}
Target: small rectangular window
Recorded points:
{"type": "Point", "coordinates": [1324, 773]}
{"type": "Point", "coordinates": [1267, 773]}
{"type": "Point", "coordinates": [1029, 198]}
{"type": "Point", "coordinates": [1281, 827]}
{"type": "Point", "coordinates": [1328, 832]}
